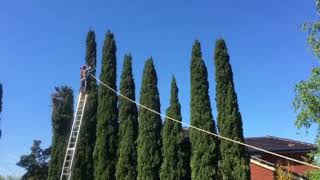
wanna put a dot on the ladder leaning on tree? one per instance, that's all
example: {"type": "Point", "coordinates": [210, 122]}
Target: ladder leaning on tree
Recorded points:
{"type": "Point", "coordinates": [74, 134]}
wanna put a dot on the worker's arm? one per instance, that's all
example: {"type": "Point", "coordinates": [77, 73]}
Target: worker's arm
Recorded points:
{"type": "Point", "coordinates": [88, 69]}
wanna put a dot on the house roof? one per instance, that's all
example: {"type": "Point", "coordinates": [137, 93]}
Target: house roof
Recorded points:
{"type": "Point", "coordinates": [276, 144]}
{"type": "Point", "coordinates": [273, 144]}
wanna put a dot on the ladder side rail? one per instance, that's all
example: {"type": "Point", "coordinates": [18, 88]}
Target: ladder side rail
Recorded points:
{"type": "Point", "coordinates": [79, 128]}
{"type": "Point", "coordinates": [73, 124]}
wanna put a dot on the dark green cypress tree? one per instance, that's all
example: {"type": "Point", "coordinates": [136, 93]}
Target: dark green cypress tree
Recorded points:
{"type": "Point", "coordinates": [62, 116]}
{"type": "Point", "coordinates": [173, 155]}
{"type": "Point", "coordinates": [105, 151]}
{"type": "Point", "coordinates": [186, 146]}
{"type": "Point", "coordinates": [128, 130]}
{"type": "Point", "coordinates": [205, 148]}
{"type": "Point", "coordinates": [149, 138]}
{"type": "Point", "coordinates": [234, 163]}
{"type": "Point", "coordinates": [83, 161]}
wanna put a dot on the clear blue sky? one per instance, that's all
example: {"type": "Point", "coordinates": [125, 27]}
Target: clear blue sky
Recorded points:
{"type": "Point", "coordinates": [42, 45]}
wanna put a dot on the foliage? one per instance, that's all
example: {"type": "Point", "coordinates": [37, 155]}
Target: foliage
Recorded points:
{"type": "Point", "coordinates": [62, 115]}
{"type": "Point", "coordinates": [313, 175]}
{"type": "Point", "coordinates": [173, 153]}
{"type": "Point", "coordinates": [307, 92]}
{"type": "Point", "coordinates": [234, 163]}
{"type": "Point", "coordinates": [283, 171]}
{"type": "Point", "coordinates": [35, 163]}
{"type": "Point", "coordinates": [128, 130]}
{"type": "Point", "coordinates": [83, 160]}
{"type": "Point", "coordinates": [105, 150]}
{"type": "Point", "coordinates": [313, 29]}
{"type": "Point", "coordinates": [205, 148]}
{"type": "Point", "coordinates": [149, 138]}
{"type": "Point", "coordinates": [307, 100]}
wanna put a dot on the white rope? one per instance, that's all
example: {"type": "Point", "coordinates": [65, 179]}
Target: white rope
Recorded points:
{"type": "Point", "coordinates": [208, 132]}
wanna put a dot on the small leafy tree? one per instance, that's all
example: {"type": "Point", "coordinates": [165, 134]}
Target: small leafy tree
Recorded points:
{"type": "Point", "coordinates": [307, 92]}
{"type": "Point", "coordinates": [35, 163]}
{"type": "Point", "coordinates": [307, 100]}
{"type": "Point", "coordinates": [313, 29]}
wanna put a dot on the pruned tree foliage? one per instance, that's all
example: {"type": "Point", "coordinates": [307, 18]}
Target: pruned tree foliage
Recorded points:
{"type": "Point", "coordinates": [62, 116]}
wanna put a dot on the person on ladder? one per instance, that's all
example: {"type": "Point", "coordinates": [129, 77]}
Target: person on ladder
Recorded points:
{"type": "Point", "coordinates": [84, 74]}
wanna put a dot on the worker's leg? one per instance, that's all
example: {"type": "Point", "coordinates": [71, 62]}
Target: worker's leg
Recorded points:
{"type": "Point", "coordinates": [82, 85]}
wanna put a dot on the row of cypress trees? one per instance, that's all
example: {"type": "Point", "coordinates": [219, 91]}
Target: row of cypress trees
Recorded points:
{"type": "Point", "coordinates": [120, 141]}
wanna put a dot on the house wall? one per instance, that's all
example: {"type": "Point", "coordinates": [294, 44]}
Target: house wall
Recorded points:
{"type": "Point", "coordinates": [261, 173]}
{"type": "Point", "coordinates": [295, 167]}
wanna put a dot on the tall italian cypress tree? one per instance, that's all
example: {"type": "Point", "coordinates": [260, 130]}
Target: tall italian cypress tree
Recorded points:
{"type": "Point", "coordinates": [149, 138]}
{"type": "Point", "coordinates": [128, 131]}
{"type": "Point", "coordinates": [83, 163]}
{"type": "Point", "coordinates": [105, 151]}
{"type": "Point", "coordinates": [62, 116]}
{"type": "Point", "coordinates": [205, 148]}
{"type": "Point", "coordinates": [173, 155]}
{"type": "Point", "coordinates": [234, 163]}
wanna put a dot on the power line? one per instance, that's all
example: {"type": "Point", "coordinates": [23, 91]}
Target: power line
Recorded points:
{"type": "Point", "coordinates": [208, 132]}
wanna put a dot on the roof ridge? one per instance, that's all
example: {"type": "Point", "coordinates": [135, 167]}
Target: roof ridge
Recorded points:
{"type": "Point", "coordinates": [290, 140]}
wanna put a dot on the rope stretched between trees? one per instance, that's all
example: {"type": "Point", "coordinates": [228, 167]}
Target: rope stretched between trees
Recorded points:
{"type": "Point", "coordinates": [208, 132]}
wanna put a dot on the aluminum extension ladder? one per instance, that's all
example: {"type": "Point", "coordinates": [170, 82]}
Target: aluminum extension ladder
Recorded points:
{"type": "Point", "coordinates": [74, 134]}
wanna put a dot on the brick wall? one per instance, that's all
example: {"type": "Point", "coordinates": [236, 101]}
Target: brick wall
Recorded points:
{"type": "Point", "coordinates": [260, 173]}
{"type": "Point", "coordinates": [294, 166]}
